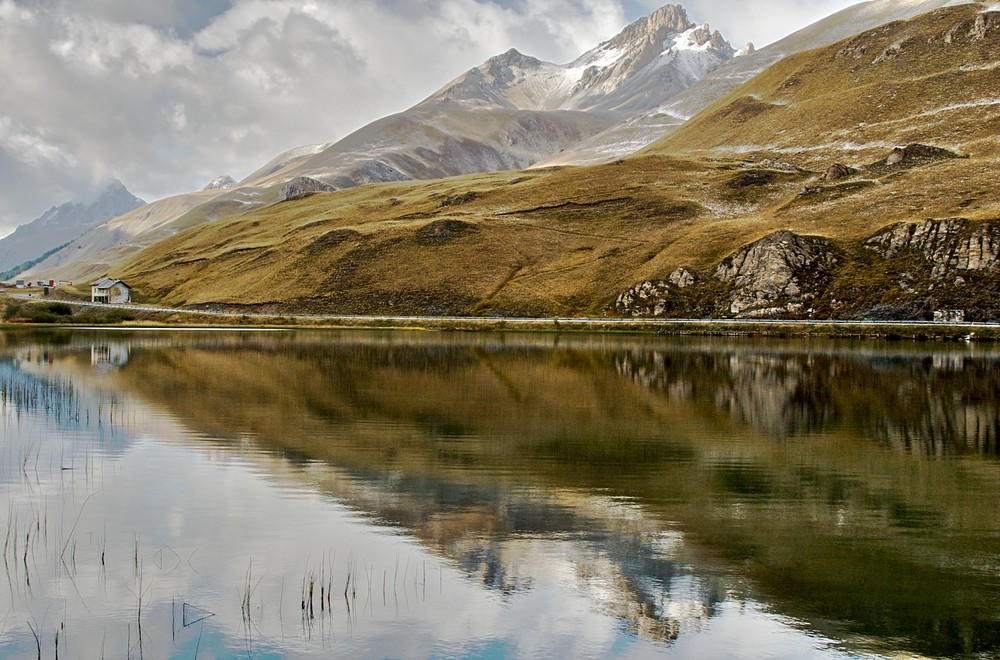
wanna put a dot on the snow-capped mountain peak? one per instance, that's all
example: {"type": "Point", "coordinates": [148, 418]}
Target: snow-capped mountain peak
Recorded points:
{"type": "Point", "coordinates": [649, 61]}
{"type": "Point", "coordinates": [657, 56]}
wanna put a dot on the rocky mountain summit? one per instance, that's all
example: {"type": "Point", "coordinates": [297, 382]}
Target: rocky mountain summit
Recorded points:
{"type": "Point", "coordinates": [224, 182]}
{"type": "Point", "coordinates": [653, 123]}
{"type": "Point", "coordinates": [651, 60]}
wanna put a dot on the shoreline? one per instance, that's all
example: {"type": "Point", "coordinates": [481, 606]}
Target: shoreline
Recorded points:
{"type": "Point", "coordinates": [164, 318]}
{"type": "Point", "coordinates": [693, 328]}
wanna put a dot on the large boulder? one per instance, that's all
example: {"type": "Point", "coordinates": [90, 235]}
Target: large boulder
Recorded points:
{"type": "Point", "coordinates": [776, 275]}
{"type": "Point", "coordinates": [682, 278]}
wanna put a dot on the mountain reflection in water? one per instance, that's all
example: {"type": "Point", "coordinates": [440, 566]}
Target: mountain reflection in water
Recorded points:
{"type": "Point", "coordinates": [721, 497]}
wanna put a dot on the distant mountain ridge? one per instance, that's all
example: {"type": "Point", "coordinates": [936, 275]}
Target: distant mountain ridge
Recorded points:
{"type": "Point", "coordinates": [61, 224]}
{"type": "Point", "coordinates": [514, 110]}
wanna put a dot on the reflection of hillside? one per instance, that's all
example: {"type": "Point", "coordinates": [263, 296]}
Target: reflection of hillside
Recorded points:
{"type": "Point", "coordinates": [453, 441]}
{"type": "Point", "coordinates": [944, 403]}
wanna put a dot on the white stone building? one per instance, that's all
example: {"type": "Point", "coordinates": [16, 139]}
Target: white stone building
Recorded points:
{"type": "Point", "coordinates": [110, 291]}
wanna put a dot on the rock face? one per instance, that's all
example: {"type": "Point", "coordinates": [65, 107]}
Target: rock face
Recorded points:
{"type": "Point", "coordinates": [682, 278]}
{"type": "Point", "coordinates": [950, 245]}
{"type": "Point", "coordinates": [646, 299]}
{"type": "Point", "coordinates": [653, 298]}
{"type": "Point", "coordinates": [301, 187]}
{"type": "Point", "coordinates": [945, 270]}
{"type": "Point", "coordinates": [774, 276]}
{"type": "Point", "coordinates": [988, 20]}
{"type": "Point", "coordinates": [777, 274]}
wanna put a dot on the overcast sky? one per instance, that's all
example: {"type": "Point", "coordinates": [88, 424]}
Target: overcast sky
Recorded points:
{"type": "Point", "coordinates": [168, 94]}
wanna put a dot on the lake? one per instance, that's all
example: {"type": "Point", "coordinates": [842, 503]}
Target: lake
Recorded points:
{"type": "Point", "coordinates": [391, 494]}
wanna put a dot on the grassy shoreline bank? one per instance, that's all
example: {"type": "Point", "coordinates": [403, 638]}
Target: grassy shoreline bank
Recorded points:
{"type": "Point", "coordinates": [140, 318]}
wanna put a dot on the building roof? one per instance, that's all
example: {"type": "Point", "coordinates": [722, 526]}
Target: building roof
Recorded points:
{"type": "Point", "coordinates": [106, 283]}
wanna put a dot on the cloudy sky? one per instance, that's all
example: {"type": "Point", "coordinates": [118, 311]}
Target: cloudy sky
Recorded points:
{"type": "Point", "coordinates": [168, 94]}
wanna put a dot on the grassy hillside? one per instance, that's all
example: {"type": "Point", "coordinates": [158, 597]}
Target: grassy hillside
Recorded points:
{"type": "Point", "coordinates": [567, 241]}
{"type": "Point", "coordinates": [932, 79]}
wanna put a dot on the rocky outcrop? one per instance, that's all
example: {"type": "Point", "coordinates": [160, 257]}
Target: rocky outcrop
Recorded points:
{"type": "Point", "coordinates": [936, 270]}
{"type": "Point", "coordinates": [918, 153]}
{"type": "Point", "coordinates": [776, 275]}
{"type": "Point", "coordinates": [950, 245]}
{"type": "Point", "coordinates": [301, 187]}
{"type": "Point", "coordinates": [838, 171]}
{"type": "Point", "coordinates": [646, 299]}
{"type": "Point", "coordinates": [455, 200]}
{"type": "Point", "coordinates": [653, 298]}
{"type": "Point", "coordinates": [442, 231]}
{"type": "Point", "coordinates": [682, 278]}
{"type": "Point", "coordinates": [986, 21]}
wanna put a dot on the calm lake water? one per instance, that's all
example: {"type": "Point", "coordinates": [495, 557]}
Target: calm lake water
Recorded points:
{"type": "Point", "coordinates": [422, 495]}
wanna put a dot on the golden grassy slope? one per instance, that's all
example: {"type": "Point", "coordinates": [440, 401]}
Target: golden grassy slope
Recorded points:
{"type": "Point", "coordinates": [567, 241]}
{"type": "Point", "coordinates": [933, 79]}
